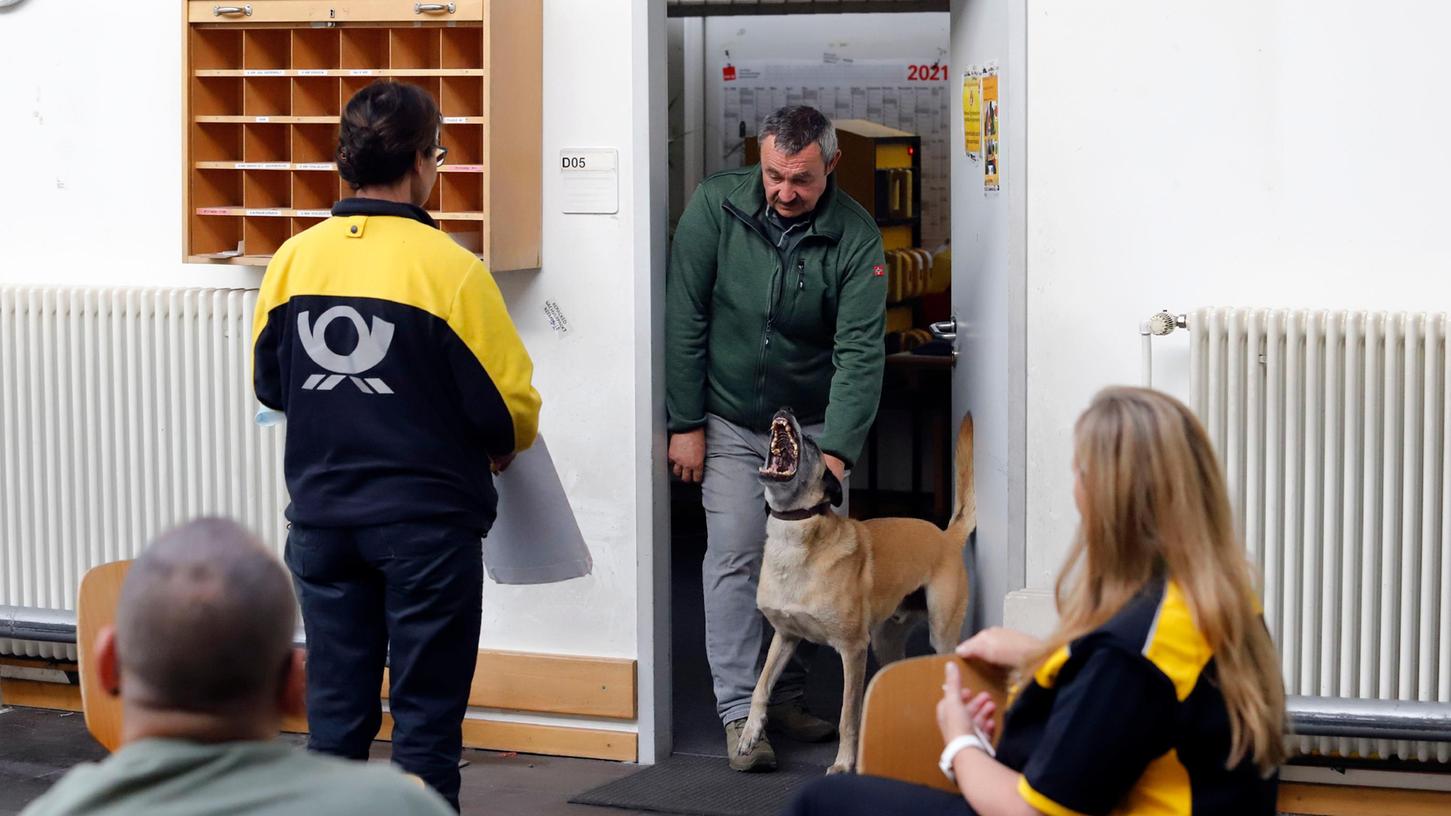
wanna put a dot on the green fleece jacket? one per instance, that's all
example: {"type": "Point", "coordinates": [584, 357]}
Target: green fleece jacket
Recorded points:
{"type": "Point", "coordinates": [750, 330]}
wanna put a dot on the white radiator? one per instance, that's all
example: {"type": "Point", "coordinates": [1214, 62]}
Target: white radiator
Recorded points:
{"type": "Point", "coordinates": [1332, 427]}
{"type": "Point", "coordinates": [122, 412]}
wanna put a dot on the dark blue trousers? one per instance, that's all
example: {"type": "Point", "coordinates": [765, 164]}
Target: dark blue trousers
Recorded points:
{"type": "Point", "coordinates": [409, 594]}
{"type": "Point", "coordinates": [850, 795]}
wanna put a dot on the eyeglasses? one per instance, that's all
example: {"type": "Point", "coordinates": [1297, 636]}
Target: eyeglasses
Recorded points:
{"type": "Point", "coordinates": [442, 152]}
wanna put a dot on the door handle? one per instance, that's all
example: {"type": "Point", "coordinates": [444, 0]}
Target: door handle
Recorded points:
{"type": "Point", "coordinates": [947, 330]}
{"type": "Point", "coordinates": [232, 11]}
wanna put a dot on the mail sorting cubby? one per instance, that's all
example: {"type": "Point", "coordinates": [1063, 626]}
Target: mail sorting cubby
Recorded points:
{"type": "Point", "coordinates": [316, 96]}
{"type": "Point", "coordinates": [413, 48]}
{"type": "Point", "coordinates": [266, 143]}
{"type": "Point", "coordinates": [215, 223]}
{"type": "Point", "coordinates": [462, 191]}
{"type": "Point", "coordinates": [461, 96]}
{"type": "Point", "coordinates": [314, 193]}
{"type": "Point", "coordinates": [265, 235]}
{"type": "Point", "coordinates": [315, 145]}
{"type": "Point", "coordinates": [363, 49]}
{"type": "Point", "coordinates": [267, 83]}
{"type": "Point", "coordinates": [315, 49]}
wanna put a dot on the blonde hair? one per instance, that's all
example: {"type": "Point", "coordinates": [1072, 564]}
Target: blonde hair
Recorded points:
{"type": "Point", "coordinates": [1155, 505]}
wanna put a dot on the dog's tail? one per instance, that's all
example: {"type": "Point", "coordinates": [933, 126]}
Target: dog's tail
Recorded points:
{"type": "Point", "coordinates": [964, 513]}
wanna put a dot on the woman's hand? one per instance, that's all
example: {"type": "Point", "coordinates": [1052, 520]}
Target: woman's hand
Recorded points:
{"type": "Point", "coordinates": [989, 786]}
{"type": "Point", "coordinates": [960, 709]}
{"type": "Point", "coordinates": [1008, 648]}
{"type": "Point", "coordinates": [982, 710]}
{"type": "Point", "coordinates": [953, 716]}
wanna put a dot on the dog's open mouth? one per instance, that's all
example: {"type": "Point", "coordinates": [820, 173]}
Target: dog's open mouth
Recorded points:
{"type": "Point", "coordinates": [785, 451]}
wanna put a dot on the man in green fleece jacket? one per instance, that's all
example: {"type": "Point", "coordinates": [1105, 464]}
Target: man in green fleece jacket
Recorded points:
{"type": "Point", "coordinates": [775, 297]}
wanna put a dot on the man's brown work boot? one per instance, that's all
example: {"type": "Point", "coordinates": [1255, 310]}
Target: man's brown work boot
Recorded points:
{"type": "Point", "coordinates": [761, 758]}
{"type": "Point", "coordinates": [794, 721]}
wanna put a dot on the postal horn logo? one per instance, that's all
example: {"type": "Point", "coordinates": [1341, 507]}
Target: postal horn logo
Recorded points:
{"type": "Point", "coordinates": [371, 349]}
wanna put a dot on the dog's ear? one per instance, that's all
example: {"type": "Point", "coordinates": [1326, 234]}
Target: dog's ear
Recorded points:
{"type": "Point", "coordinates": [832, 486]}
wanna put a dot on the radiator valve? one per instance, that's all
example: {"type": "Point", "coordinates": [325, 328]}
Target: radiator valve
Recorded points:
{"type": "Point", "coordinates": [1164, 323]}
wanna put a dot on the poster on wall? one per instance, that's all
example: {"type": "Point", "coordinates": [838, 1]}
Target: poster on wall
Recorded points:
{"type": "Point", "coordinates": [910, 96]}
{"type": "Point", "coordinates": [991, 130]}
{"type": "Point", "coordinates": [972, 114]}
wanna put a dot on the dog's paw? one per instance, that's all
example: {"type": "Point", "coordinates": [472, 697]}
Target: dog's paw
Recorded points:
{"type": "Point", "coordinates": [840, 768]}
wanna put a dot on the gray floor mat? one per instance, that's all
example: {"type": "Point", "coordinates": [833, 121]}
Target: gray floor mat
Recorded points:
{"type": "Point", "coordinates": [703, 786]}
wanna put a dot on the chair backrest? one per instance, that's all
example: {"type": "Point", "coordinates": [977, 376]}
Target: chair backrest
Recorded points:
{"type": "Point", "coordinates": [899, 736]}
{"type": "Point", "coordinates": [899, 740]}
{"type": "Point", "coordinates": [95, 609]}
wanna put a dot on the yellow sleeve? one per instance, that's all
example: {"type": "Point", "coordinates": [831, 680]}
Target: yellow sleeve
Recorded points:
{"type": "Point", "coordinates": [1040, 802]}
{"type": "Point", "coordinates": [496, 375]}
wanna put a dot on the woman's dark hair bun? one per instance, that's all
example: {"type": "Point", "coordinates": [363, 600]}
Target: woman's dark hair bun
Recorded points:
{"type": "Point", "coordinates": [385, 127]}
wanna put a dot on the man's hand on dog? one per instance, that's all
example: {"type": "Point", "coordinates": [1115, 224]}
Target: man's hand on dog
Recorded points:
{"type": "Point", "coordinates": [835, 465]}
{"type": "Point", "coordinates": [687, 455]}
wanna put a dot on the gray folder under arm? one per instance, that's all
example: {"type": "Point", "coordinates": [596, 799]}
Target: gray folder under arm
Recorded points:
{"type": "Point", "coordinates": [535, 539]}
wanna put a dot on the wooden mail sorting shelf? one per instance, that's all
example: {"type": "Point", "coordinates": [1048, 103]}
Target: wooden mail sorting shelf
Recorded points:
{"type": "Point", "coordinates": [266, 83]}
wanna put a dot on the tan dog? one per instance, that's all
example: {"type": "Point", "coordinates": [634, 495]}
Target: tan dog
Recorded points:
{"type": "Point", "coordinates": [848, 583]}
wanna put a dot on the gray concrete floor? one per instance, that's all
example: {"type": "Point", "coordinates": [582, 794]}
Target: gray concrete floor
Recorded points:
{"type": "Point", "coordinates": [38, 746]}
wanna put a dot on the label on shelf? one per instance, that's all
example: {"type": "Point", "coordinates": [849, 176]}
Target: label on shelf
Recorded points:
{"type": "Point", "coordinates": [314, 213]}
{"type": "Point", "coordinates": [213, 211]}
{"type": "Point", "coordinates": [315, 166]}
{"type": "Point", "coordinates": [455, 120]}
{"type": "Point", "coordinates": [466, 168]}
{"type": "Point", "coordinates": [263, 166]}
{"type": "Point", "coordinates": [251, 72]}
{"type": "Point", "coordinates": [312, 72]}
{"type": "Point", "coordinates": [263, 119]}
{"type": "Point", "coordinates": [361, 72]}
{"type": "Point", "coordinates": [262, 212]}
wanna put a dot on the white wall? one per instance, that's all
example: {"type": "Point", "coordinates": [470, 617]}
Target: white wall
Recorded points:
{"type": "Point", "coordinates": [1234, 152]}
{"type": "Point", "coordinates": [988, 296]}
{"type": "Point", "coordinates": [92, 196]}
{"type": "Point", "coordinates": [916, 36]}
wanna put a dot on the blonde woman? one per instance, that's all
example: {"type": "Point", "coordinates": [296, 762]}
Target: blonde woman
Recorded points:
{"type": "Point", "coordinates": [1160, 692]}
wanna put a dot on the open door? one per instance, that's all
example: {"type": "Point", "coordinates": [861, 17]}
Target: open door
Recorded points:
{"type": "Point", "coordinates": [989, 291]}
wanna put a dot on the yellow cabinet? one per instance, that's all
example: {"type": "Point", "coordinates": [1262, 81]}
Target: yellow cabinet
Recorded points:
{"type": "Point", "coordinates": [267, 80]}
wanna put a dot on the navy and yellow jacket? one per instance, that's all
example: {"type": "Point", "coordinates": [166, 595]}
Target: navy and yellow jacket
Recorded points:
{"type": "Point", "coordinates": [1129, 719]}
{"type": "Point", "coordinates": [389, 348]}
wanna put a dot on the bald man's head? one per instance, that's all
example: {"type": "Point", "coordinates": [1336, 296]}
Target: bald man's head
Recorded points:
{"type": "Point", "coordinates": [205, 621]}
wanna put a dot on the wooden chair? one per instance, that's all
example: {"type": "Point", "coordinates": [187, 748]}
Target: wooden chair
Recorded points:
{"type": "Point", "coordinates": [899, 737]}
{"type": "Point", "coordinates": [95, 609]}
{"type": "Point", "coordinates": [899, 740]}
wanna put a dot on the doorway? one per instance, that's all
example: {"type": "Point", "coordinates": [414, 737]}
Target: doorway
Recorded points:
{"type": "Point", "coordinates": [725, 74]}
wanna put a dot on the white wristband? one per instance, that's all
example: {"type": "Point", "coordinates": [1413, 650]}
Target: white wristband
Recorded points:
{"type": "Point", "coordinates": [957, 746]}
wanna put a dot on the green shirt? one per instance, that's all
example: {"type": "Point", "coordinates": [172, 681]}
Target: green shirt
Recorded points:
{"type": "Point", "coordinates": [164, 777]}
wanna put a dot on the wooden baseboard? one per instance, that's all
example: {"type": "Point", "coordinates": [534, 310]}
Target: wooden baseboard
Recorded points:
{"type": "Point", "coordinates": [552, 740]}
{"type": "Point", "coordinates": [527, 738]}
{"type": "Point", "coordinates": [507, 681]}
{"type": "Point", "coordinates": [1345, 800]}
{"type": "Point", "coordinates": [552, 684]}
{"type": "Point", "coordinates": [37, 694]}
{"type": "Point", "coordinates": [68, 667]}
